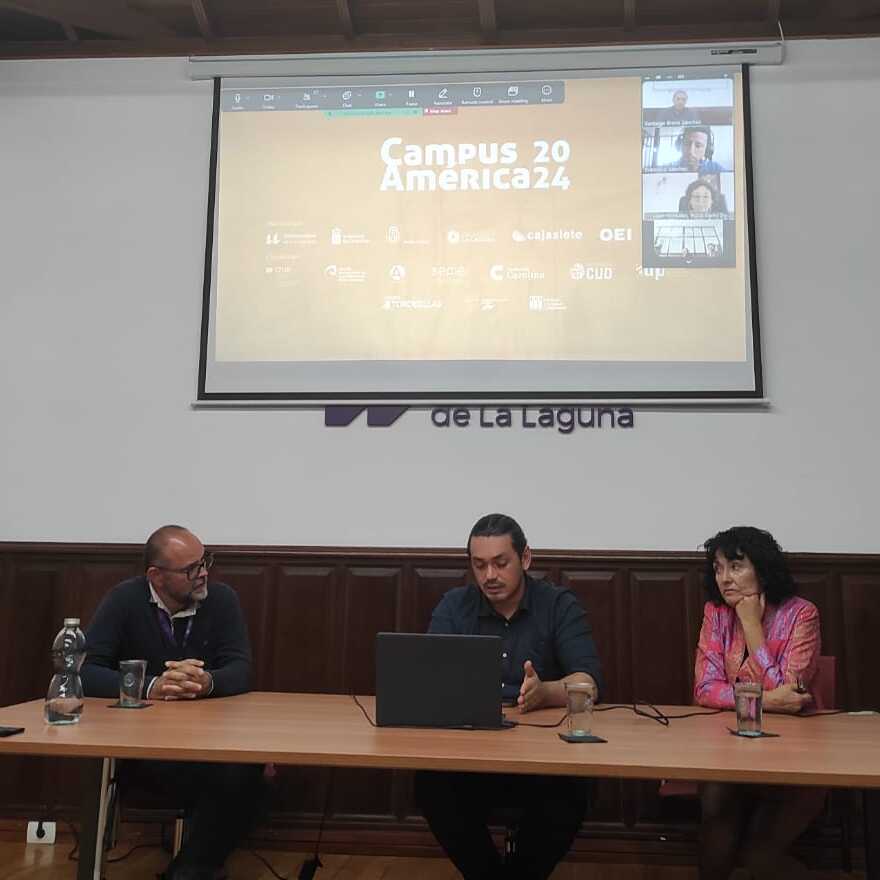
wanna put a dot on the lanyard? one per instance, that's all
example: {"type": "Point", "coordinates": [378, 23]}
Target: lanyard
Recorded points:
{"type": "Point", "coordinates": [168, 627]}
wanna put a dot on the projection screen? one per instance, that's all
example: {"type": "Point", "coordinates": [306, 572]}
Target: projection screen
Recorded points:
{"type": "Point", "coordinates": [566, 235]}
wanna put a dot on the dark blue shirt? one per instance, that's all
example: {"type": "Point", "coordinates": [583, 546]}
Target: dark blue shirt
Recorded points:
{"type": "Point", "coordinates": [550, 628]}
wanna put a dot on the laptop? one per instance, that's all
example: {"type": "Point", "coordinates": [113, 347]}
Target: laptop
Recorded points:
{"type": "Point", "coordinates": [438, 681]}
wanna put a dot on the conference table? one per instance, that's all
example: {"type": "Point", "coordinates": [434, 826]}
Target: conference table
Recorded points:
{"type": "Point", "coordinates": [834, 750]}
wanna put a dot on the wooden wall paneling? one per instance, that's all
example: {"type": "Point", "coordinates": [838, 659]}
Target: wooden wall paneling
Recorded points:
{"type": "Point", "coordinates": [257, 586]}
{"type": "Point", "coordinates": [546, 569]}
{"type": "Point", "coordinates": [861, 644]}
{"type": "Point", "coordinates": [430, 584]}
{"type": "Point", "coordinates": [541, 572]}
{"type": "Point", "coordinates": [601, 594]}
{"type": "Point", "coordinates": [662, 659]}
{"type": "Point", "coordinates": [401, 782]}
{"type": "Point", "coordinates": [678, 816]}
{"type": "Point", "coordinates": [369, 605]}
{"type": "Point", "coordinates": [33, 614]}
{"type": "Point", "coordinates": [32, 622]}
{"type": "Point", "coordinates": [819, 587]}
{"type": "Point", "coordinates": [661, 646]}
{"type": "Point", "coordinates": [306, 641]}
{"type": "Point", "coordinates": [694, 600]}
{"type": "Point", "coordinates": [8, 631]}
{"type": "Point", "coordinates": [306, 658]}
{"type": "Point", "coordinates": [97, 577]}
{"type": "Point", "coordinates": [406, 599]}
{"type": "Point", "coordinates": [299, 794]}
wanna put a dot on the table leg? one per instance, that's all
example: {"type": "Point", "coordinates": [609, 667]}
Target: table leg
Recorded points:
{"type": "Point", "coordinates": [96, 777]}
{"type": "Point", "coordinates": [871, 811]}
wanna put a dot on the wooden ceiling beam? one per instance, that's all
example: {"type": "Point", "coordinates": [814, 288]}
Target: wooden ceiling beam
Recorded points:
{"type": "Point", "coordinates": [488, 19]}
{"type": "Point", "coordinates": [104, 16]}
{"type": "Point", "coordinates": [629, 15]}
{"type": "Point", "coordinates": [346, 22]}
{"type": "Point", "coordinates": [203, 20]}
{"type": "Point", "coordinates": [854, 9]}
{"type": "Point", "coordinates": [616, 36]}
{"type": "Point", "coordinates": [471, 39]}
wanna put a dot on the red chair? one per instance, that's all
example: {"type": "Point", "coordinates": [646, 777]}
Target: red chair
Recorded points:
{"type": "Point", "coordinates": [824, 684]}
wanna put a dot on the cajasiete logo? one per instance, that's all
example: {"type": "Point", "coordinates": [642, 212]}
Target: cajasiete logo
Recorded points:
{"type": "Point", "coordinates": [559, 234]}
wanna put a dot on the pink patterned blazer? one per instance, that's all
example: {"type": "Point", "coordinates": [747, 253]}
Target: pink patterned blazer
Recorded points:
{"type": "Point", "coordinates": [790, 652]}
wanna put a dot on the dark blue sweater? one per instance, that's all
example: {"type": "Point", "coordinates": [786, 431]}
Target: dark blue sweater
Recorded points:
{"type": "Point", "coordinates": [125, 627]}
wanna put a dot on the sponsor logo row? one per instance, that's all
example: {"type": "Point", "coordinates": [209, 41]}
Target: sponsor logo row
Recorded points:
{"type": "Point", "coordinates": [497, 272]}
{"type": "Point", "coordinates": [394, 235]}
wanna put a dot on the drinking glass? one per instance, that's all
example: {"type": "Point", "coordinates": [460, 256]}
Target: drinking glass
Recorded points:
{"type": "Point", "coordinates": [131, 682]}
{"type": "Point", "coordinates": [749, 698]}
{"type": "Point", "coordinates": [579, 696]}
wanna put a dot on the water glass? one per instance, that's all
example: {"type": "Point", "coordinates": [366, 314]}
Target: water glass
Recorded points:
{"type": "Point", "coordinates": [749, 699]}
{"type": "Point", "coordinates": [132, 674]}
{"type": "Point", "coordinates": [579, 697]}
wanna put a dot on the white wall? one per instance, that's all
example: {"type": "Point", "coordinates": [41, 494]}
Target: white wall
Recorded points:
{"type": "Point", "coordinates": [104, 167]}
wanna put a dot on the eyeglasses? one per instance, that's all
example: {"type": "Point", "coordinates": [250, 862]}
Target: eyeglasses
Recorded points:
{"type": "Point", "coordinates": [191, 571]}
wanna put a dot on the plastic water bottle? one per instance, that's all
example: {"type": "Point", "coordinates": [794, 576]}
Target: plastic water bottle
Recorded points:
{"type": "Point", "coordinates": [64, 701]}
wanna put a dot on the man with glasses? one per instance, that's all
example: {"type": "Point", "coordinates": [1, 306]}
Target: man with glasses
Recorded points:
{"type": "Point", "coordinates": [194, 639]}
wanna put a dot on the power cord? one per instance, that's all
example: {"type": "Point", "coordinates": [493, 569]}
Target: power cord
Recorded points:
{"type": "Point", "coordinates": [538, 724]}
{"type": "Point", "coordinates": [360, 706]}
{"type": "Point", "coordinates": [267, 865]}
{"type": "Point", "coordinates": [73, 855]}
{"type": "Point", "coordinates": [123, 857]}
{"type": "Point", "coordinates": [310, 866]}
{"type": "Point", "coordinates": [652, 712]}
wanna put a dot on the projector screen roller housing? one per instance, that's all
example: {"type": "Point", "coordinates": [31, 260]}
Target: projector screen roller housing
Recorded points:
{"type": "Point", "coordinates": [558, 236]}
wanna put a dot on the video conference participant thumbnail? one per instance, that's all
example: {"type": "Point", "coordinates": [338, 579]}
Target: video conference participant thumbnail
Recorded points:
{"type": "Point", "coordinates": [702, 196]}
{"type": "Point", "coordinates": [679, 111]}
{"type": "Point", "coordinates": [684, 193]}
{"type": "Point", "coordinates": [688, 242]}
{"type": "Point", "coordinates": [698, 149]}
{"type": "Point", "coordinates": [546, 641]}
{"type": "Point", "coordinates": [707, 101]}
{"type": "Point", "coordinates": [696, 145]}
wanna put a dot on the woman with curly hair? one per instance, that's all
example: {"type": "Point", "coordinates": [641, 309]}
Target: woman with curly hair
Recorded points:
{"type": "Point", "coordinates": [755, 628]}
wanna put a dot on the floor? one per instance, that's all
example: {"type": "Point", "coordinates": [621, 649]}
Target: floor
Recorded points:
{"type": "Point", "coordinates": [33, 862]}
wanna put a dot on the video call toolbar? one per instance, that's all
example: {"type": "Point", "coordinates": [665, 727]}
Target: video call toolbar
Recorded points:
{"type": "Point", "coordinates": [381, 97]}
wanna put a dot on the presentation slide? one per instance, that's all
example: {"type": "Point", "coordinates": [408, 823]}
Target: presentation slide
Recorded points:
{"type": "Point", "coordinates": [488, 236]}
